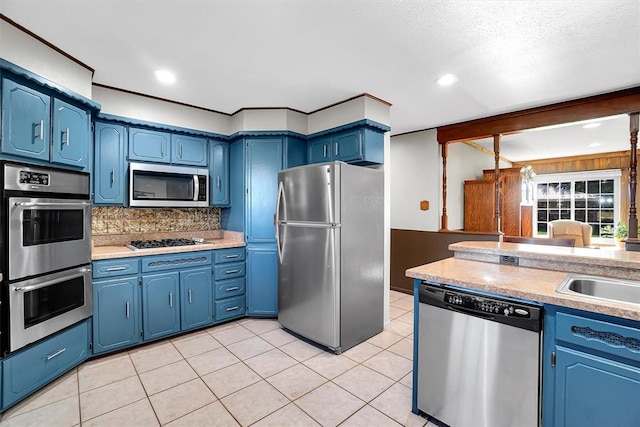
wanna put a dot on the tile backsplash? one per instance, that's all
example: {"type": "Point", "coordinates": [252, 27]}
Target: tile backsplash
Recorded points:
{"type": "Point", "coordinates": [107, 220]}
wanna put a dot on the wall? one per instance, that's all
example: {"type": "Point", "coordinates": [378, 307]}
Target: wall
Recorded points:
{"type": "Point", "coordinates": [29, 53]}
{"type": "Point", "coordinates": [415, 161]}
{"type": "Point", "coordinates": [139, 107]}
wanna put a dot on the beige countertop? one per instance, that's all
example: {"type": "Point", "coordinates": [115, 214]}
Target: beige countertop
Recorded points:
{"type": "Point", "coordinates": [537, 284]}
{"type": "Point", "coordinates": [121, 251]}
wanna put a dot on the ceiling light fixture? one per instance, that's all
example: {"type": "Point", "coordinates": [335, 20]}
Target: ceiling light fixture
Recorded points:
{"type": "Point", "coordinates": [595, 144]}
{"type": "Point", "coordinates": [591, 125]}
{"type": "Point", "coordinates": [165, 76]}
{"type": "Point", "coordinates": [446, 80]}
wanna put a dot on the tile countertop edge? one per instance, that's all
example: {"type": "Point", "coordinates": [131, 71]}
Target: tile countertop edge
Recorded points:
{"type": "Point", "coordinates": [520, 282]}
{"type": "Point", "coordinates": [113, 252]}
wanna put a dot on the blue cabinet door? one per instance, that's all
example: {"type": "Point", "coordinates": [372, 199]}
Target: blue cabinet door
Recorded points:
{"type": "Point", "coordinates": [28, 370]}
{"type": "Point", "coordinates": [219, 173]}
{"type": "Point", "coordinates": [347, 146]}
{"type": "Point", "coordinates": [262, 280]}
{"type": "Point", "coordinates": [26, 115]}
{"type": "Point", "coordinates": [160, 305]}
{"type": "Point", "coordinates": [295, 152]}
{"type": "Point", "coordinates": [189, 150]}
{"type": "Point", "coordinates": [116, 313]}
{"type": "Point", "coordinates": [264, 160]}
{"type": "Point", "coordinates": [319, 150]}
{"type": "Point", "coordinates": [109, 169]}
{"type": "Point", "coordinates": [196, 298]}
{"type": "Point", "coordinates": [70, 143]}
{"type": "Point", "coordinates": [149, 145]}
{"type": "Point", "coordinates": [593, 391]}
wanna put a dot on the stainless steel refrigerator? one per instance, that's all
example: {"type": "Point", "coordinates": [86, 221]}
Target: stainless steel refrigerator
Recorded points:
{"type": "Point", "coordinates": [329, 233]}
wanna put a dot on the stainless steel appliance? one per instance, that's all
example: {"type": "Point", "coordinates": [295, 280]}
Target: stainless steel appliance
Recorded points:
{"type": "Point", "coordinates": [478, 358]}
{"type": "Point", "coordinates": [46, 252]}
{"type": "Point", "coordinates": [329, 233]}
{"type": "Point", "coordinates": [152, 185]}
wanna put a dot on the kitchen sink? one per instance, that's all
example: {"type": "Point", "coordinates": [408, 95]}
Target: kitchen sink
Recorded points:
{"type": "Point", "coordinates": [603, 288]}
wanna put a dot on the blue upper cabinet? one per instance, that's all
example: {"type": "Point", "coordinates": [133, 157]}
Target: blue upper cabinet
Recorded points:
{"type": "Point", "coordinates": [25, 121]}
{"type": "Point", "coordinates": [70, 141]}
{"type": "Point", "coordinates": [264, 160]}
{"type": "Point", "coordinates": [320, 150]}
{"type": "Point", "coordinates": [219, 173]}
{"type": "Point", "coordinates": [361, 145]}
{"type": "Point", "coordinates": [188, 150]}
{"type": "Point", "coordinates": [149, 145]}
{"type": "Point", "coordinates": [109, 169]}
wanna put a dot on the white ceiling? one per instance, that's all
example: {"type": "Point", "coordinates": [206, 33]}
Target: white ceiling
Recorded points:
{"type": "Point", "coordinates": [307, 54]}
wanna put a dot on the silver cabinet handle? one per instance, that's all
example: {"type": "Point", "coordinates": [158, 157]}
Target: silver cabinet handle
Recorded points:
{"type": "Point", "coordinates": [76, 204]}
{"type": "Point", "coordinates": [162, 149]}
{"type": "Point", "coordinates": [180, 155]}
{"type": "Point", "coordinates": [171, 299]}
{"type": "Point", "coordinates": [66, 142]}
{"type": "Point", "coordinates": [189, 293]}
{"type": "Point", "coordinates": [42, 130]}
{"type": "Point", "coordinates": [337, 148]}
{"type": "Point", "coordinates": [233, 308]}
{"type": "Point", "coordinates": [324, 150]}
{"type": "Point", "coordinates": [235, 288]}
{"type": "Point", "coordinates": [57, 353]}
{"type": "Point", "coordinates": [232, 256]}
{"type": "Point", "coordinates": [113, 176]}
{"type": "Point", "coordinates": [126, 309]}
{"type": "Point", "coordinates": [218, 182]}
{"type": "Point", "coordinates": [231, 271]}
{"type": "Point", "coordinates": [115, 268]}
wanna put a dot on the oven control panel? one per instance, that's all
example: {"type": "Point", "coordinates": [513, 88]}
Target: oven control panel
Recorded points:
{"type": "Point", "coordinates": [35, 178]}
{"type": "Point", "coordinates": [486, 305]}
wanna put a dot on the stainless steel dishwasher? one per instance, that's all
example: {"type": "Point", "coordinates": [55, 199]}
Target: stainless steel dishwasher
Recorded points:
{"type": "Point", "coordinates": [478, 358]}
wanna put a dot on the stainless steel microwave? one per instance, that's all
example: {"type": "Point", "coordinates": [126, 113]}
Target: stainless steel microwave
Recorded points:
{"type": "Point", "coordinates": [159, 186]}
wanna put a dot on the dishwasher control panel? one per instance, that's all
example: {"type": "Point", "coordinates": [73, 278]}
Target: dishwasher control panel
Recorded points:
{"type": "Point", "coordinates": [486, 305]}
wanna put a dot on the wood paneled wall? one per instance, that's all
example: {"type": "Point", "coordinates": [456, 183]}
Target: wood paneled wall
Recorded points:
{"type": "Point", "coordinates": [411, 248]}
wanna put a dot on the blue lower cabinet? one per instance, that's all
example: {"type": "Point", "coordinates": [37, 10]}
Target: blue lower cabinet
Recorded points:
{"type": "Point", "coordinates": [229, 288]}
{"type": "Point", "coordinates": [160, 305]}
{"type": "Point", "coordinates": [229, 308]}
{"type": "Point", "coordinates": [196, 298]}
{"type": "Point", "coordinates": [28, 370]}
{"type": "Point", "coordinates": [593, 391]}
{"type": "Point", "coordinates": [262, 280]}
{"type": "Point", "coordinates": [116, 314]}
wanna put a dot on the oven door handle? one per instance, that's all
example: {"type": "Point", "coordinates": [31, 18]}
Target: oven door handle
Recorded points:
{"type": "Point", "coordinates": [28, 204]}
{"type": "Point", "coordinates": [51, 282]}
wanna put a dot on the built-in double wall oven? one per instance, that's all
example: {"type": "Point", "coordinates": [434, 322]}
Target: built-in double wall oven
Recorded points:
{"type": "Point", "coordinates": [46, 252]}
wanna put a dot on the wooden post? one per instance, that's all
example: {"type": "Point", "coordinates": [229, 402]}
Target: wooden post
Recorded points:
{"type": "Point", "coordinates": [633, 178]}
{"type": "Point", "coordinates": [444, 219]}
{"type": "Point", "coordinates": [496, 183]}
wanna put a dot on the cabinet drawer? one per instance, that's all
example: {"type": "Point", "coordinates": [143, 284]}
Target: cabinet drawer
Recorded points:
{"type": "Point", "coordinates": [115, 267]}
{"type": "Point", "coordinates": [229, 288]}
{"type": "Point", "coordinates": [229, 255]}
{"type": "Point", "coordinates": [599, 335]}
{"type": "Point", "coordinates": [175, 261]}
{"type": "Point", "coordinates": [229, 308]}
{"type": "Point", "coordinates": [28, 370]}
{"type": "Point", "coordinates": [228, 271]}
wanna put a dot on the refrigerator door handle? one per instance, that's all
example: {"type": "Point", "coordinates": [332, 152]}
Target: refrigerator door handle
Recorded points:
{"type": "Point", "coordinates": [277, 220]}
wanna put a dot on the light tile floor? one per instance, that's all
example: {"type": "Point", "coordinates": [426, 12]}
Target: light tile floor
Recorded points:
{"type": "Point", "coordinates": [246, 372]}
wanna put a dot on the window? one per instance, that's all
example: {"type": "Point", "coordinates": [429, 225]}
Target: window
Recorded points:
{"type": "Point", "coordinates": [591, 197]}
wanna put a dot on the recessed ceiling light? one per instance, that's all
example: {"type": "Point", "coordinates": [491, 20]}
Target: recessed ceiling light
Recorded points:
{"type": "Point", "coordinates": [595, 144]}
{"type": "Point", "coordinates": [591, 125]}
{"type": "Point", "coordinates": [165, 76]}
{"type": "Point", "coordinates": [446, 80]}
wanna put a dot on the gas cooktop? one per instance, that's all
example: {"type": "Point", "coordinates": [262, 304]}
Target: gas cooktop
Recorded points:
{"type": "Point", "coordinates": [164, 243]}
